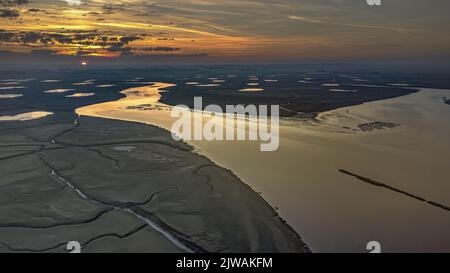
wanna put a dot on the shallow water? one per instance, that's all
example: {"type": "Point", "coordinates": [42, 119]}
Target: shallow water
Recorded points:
{"type": "Point", "coordinates": [332, 211]}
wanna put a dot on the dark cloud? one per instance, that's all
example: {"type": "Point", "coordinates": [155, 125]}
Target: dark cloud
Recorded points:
{"type": "Point", "coordinates": [88, 42]}
{"type": "Point", "coordinates": [160, 48]}
{"type": "Point", "coordinates": [149, 13]}
{"type": "Point", "coordinates": [40, 58]}
{"type": "Point", "coordinates": [110, 8]}
{"type": "Point", "coordinates": [6, 36]}
{"type": "Point", "coordinates": [11, 3]}
{"type": "Point", "coordinates": [9, 13]}
{"type": "Point", "coordinates": [129, 51]}
{"type": "Point", "coordinates": [123, 50]}
{"type": "Point", "coordinates": [35, 10]}
{"type": "Point", "coordinates": [83, 31]}
{"type": "Point", "coordinates": [127, 39]}
{"type": "Point", "coordinates": [81, 38]}
{"type": "Point", "coordinates": [43, 52]}
{"type": "Point", "coordinates": [83, 53]}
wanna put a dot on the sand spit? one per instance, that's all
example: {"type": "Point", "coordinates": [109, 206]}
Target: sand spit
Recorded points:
{"type": "Point", "coordinates": [16, 80]}
{"type": "Point", "coordinates": [10, 83]}
{"type": "Point", "coordinates": [25, 116]}
{"type": "Point", "coordinates": [58, 90]}
{"type": "Point", "coordinates": [80, 95]}
{"type": "Point", "coordinates": [10, 96]}
{"type": "Point", "coordinates": [209, 85]}
{"type": "Point", "coordinates": [251, 90]}
{"type": "Point", "coordinates": [50, 81]}
{"type": "Point", "coordinates": [382, 185]}
{"type": "Point", "coordinates": [87, 82]}
{"type": "Point", "coordinates": [11, 87]}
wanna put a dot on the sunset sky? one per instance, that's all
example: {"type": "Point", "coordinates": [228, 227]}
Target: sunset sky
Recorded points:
{"type": "Point", "coordinates": [224, 30]}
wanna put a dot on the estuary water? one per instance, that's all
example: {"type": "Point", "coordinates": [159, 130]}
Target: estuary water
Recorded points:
{"type": "Point", "coordinates": [325, 177]}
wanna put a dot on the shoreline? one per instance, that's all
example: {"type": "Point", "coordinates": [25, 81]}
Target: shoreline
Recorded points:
{"type": "Point", "coordinates": [121, 175]}
{"type": "Point", "coordinates": [250, 175]}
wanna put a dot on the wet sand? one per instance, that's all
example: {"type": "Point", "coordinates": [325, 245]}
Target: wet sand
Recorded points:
{"type": "Point", "coordinates": [251, 90]}
{"type": "Point", "coordinates": [80, 95]}
{"type": "Point", "coordinates": [61, 90]}
{"type": "Point", "coordinates": [26, 116]}
{"type": "Point", "coordinates": [333, 211]}
{"type": "Point", "coordinates": [123, 108]}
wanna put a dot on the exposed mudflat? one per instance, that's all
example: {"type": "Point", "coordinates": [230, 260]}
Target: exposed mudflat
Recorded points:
{"type": "Point", "coordinates": [118, 186]}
